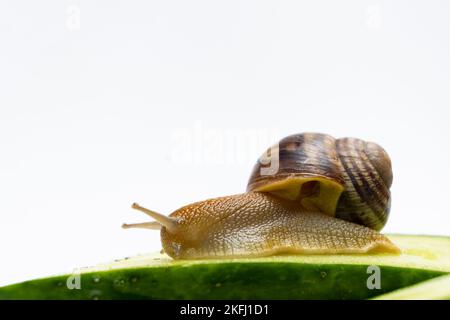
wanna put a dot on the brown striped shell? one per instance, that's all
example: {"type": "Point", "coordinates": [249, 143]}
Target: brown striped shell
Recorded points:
{"type": "Point", "coordinates": [347, 178]}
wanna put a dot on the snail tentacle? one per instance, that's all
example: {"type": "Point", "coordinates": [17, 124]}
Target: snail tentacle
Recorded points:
{"type": "Point", "coordinates": [171, 224]}
{"type": "Point", "coordinates": [153, 225]}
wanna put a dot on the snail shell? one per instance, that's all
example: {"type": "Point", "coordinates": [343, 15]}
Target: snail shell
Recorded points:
{"type": "Point", "coordinates": [347, 178]}
{"type": "Point", "coordinates": [318, 195]}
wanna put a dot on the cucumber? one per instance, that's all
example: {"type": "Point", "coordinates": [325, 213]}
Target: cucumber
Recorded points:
{"type": "Point", "coordinates": [434, 289]}
{"type": "Point", "coordinates": [156, 276]}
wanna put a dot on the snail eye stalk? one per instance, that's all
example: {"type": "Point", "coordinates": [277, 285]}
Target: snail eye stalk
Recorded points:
{"type": "Point", "coordinates": [169, 223]}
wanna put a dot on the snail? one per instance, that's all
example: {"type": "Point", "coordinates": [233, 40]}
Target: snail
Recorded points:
{"type": "Point", "coordinates": [324, 196]}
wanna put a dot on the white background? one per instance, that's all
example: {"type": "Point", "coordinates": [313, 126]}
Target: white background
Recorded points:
{"type": "Point", "coordinates": [103, 103]}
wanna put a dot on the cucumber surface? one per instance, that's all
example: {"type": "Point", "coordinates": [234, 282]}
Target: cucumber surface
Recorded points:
{"type": "Point", "coordinates": [156, 276]}
{"type": "Point", "coordinates": [434, 289]}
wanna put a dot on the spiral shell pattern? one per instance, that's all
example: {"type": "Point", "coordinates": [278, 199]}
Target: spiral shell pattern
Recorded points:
{"type": "Point", "coordinates": [363, 169]}
{"type": "Point", "coordinates": [367, 173]}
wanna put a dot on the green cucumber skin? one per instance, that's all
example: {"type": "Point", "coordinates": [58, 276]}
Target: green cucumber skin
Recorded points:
{"type": "Point", "coordinates": [224, 281]}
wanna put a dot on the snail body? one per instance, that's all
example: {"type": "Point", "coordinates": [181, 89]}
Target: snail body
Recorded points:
{"type": "Point", "coordinates": [326, 196]}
